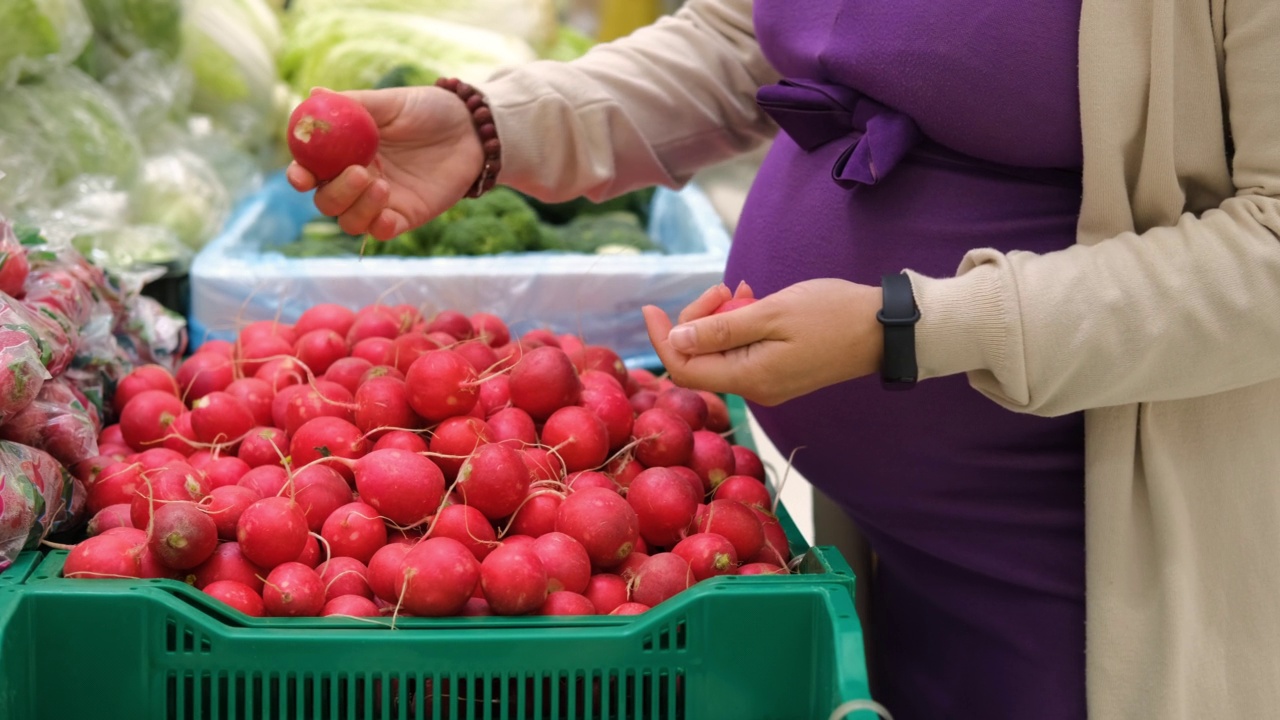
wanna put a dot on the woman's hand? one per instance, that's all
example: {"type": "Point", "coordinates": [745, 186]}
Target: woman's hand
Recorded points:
{"type": "Point", "coordinates": [805, 337]}
{"type": "Point", "coordinates": [428, 157]}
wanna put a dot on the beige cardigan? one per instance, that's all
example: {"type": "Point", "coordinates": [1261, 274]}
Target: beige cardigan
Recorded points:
{"type": "Point", "coordinates": [1162, 323]}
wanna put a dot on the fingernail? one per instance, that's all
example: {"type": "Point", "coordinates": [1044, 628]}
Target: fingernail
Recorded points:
{"type": "Point", "coordinates": [684, 338]}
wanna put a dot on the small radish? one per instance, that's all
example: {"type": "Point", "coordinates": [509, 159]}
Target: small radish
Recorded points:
{"type": "Point", "coordinates": [615, 411]}
{"type": "Point", "coordinates": [660, 577]}
{"type": "Point", "coordinates": [296, 405]}
{"type": "Point", "coordinates": [631, 565]}
{"type": "Point", "coordinates": [143, 378]}
{"type": "Point", "coordinates": [237, 595]}
{"type": "Point", "coordinates": [293, 590]}
{"type": "Point", "coordinates": [717, 412]}
{"type": "Point", "coordinates": [625, 469]}
{"type": "Point", "coordinates": [411, 346]}
{"type": "Point", "coordinates": [222, 471]}
{"type": "Point", "coordinates": [325, 316]}
{"type": "Point", "coordinates": [578, 436]}
{"type": "Point", "coordinates": [566, 603]}
{"type": "Point", "coordinates": [565, 560]}
{"type": "Point", "coordinates": [437, 577]}
{"type": "Point", "coordinates": [266, 480]}
{"type": "Point", "coordinates": [476, 607]}
{"type": "Point", "coordinates": [372, 337]}
{"type": "Point", "coordinates": [347, 372]}
{"type": "Point", "coordinates": [664, 504]}
{"type": "Point", "coordinates": [688, 404]}
{"type": "Point", "coordinates": [454, 440]}
{"type": "Point", "coordinates": [111, 516]}
{"type": "Point", "coordinates": [272, 531]}
{"type": "Point", "coordinates": [310, 555]}
{"type": "Point", "coordinates": [747, 462]}
{"type": "Point", "coordinates": [664, 438]}
{"type": "Point", "coordinates": [708, 555]}
{"type": "Point", "coordinates": [691, 477]}
{"type": "Point", "coordinates": [630, 608]}
{"type": "Point", "coordinates": [319, 490]}
{"type": "Point", "coordinates": [264, 446]}
{"type": "Point", "coordinates": [226, 504]}
{"type": "Point", "coordinates": [204, 373]}
{"type": "Point", "coordinates": [252, 355]}
{"type": "Point", "coordinates": [453, 323]}
{"type": "Point", "coordinates": [350, 606]}
{"type": "Point", "coordinates": [777, 547]}
{"type": "Point", "coordinates": [383, 568]}
{"type": "Point", "coordinates": [320, 349]}
{"type": "Point", "coordinates": [543, 381]}
{"type": "Point", "coordinates": [736, 522]}
{"type": "Point", "coordinates": [220, 418]}
{"type": "Point", "coordinates": [602, 522]}
{"type": "Point", "coordinates": [329, 132]}
{"type": "Point", "coordinates": [401, 440]}
{"type": "Point", "coordinates": [102, 557]}
{"type": "Point", "coordinates": [495, 394]}
{"type": "Point", "coordinates": [442, 384]}
{"type": "Point", "coordinates": [761, 568]}
{"type": "Point", "coordinates": [494, 480]}
{"type": "Point", "coordinates": [146, 420]}
{"type": "Point", "coordinates": [344, 576]}
{"type": "Point", "coordinates": [746, 490]}
{"type": "Point", "coordinates": [491, 329]}
{"type": "Point", "coordinates": [514, 580]}
{"type": "Point", "coordinates": [383, 403]}
{"type": "Point", "coordinates": [481, 356]}
{"type": "Point", "coordinates": [176, 482]}
{"type": "Point", "coordinates": [117, 484]}
{"type": "Point", "coordinates": [281, 373]}
{"type": "Point", "coordinates": [543, 464]}
{"type": "Point", "coordinates": [330, 441]}
{"type": "Point", "coordinates": [712, 458]}
{"type": "Point", "coordinates": [217, 347]}
{"type": "Point", "coordinates": [642, 400]}
{"type": "Point", "coordinates": [590, 478]}
{"type": "Point", "coordinates": [536, 515]}
{"type": "Point", "coordinates": [512, 426]}
{"type": "Point", "coordinates": [156, 458]}
{"type": "Point", "coordinates": [354, 530]}
{"type": "Point", "coordinates": [404, 487]}
{"type": "Point", "coordinates": [228, 563]}
{"type": "Point", "coordinates": [260, 329]}
{"type": "Point", "coordinates": [468, 526]}
{"type": "Point", "coordinates": [607, 591]}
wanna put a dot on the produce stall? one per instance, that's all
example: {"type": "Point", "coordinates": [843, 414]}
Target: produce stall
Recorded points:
{"type": "Point", "coordinates": [276, 470]}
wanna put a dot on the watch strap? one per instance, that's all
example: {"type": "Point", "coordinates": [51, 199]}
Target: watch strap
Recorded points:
{"type": "Point", "coordinates": [899, 315]}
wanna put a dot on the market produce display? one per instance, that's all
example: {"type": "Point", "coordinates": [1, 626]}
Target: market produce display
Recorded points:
{"type": "Point", "coordinates": [382, 463]}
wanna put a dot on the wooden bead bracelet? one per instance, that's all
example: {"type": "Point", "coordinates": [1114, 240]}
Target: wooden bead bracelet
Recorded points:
{"type": "Point", "coordinates": [482, 118]}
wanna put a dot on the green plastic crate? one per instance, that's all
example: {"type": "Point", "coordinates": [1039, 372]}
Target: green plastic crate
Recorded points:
{"type": "Point", "coordinates": [737, 647]}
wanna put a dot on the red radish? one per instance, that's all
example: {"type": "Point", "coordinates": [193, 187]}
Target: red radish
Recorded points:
{"type": "Point", "coordinates": [566, 603]}
{"type": "Point", "coordinates": [625, 469]}
{"type": "Point", "coordinates": [572, 345]}
{"type": "Point", "coordinates": [708, 555]}
{"type": "Point", "coordinates": [747, 462]}
{"type": "Point", "coordinates": [494, 480]}
{"type": "Point", "coordinates": [323, 438]}
{"type": "Point", "coordinates": [145, 421]}
{"type": "Point", "coordinates": [218, 347]}
{"type": "Point", "coordinates": [607, 591]}
{"type": "Point", "coordinates": [142, 378]}
{"type": "Point", "coordinates": [401, 440]}
{"type": "Point", "coordinates": [319, 349]}
{"type": "Point", "coordinates": [200, 460]}
{"type": "Point", "coordinates": [481, 356]}
{"type": "Point", "coordinates": [442, 384]}
{"type": "Point", "coordinates": [264, 446]}
{"type": "Point", "coordinates": [601, 382]}
{"type": "Point", "coordinates": [643, 379]}
{"type": "Point", "coordinates": [294, 406]}
{"type": "Point", "coordinates": [204, 373]}
{"type": "Point", "coordinates": [688, 404]}
{"type": "Point", "coordinates": [411, 346]}
{"type": "Point", "coordinates": [542, 463]}
{"type": "Point", "coordinates": [537, 514]}
{"type": "Point", "coordinates": [117, 484]}
{"type": "Point", "coordinates": [182, 535]}
{"type": "Point", "coordinates": [220, 418]}
{"type": "Point", "coordinates": [736, 522]}
{"type": "Point", "coordinates": [664, 438]}
{"type": "Point", "coordinates": [223, 471]}
{"type": "Point", "coordinates": [156, 458]}
{"type": "Point", "coordinates": [132, 534]}
{"type": "Point", "coordinates": [664, 504]}
{"type": "Point", "coordinates": [310, 555]}
{"type": "Point", "coordinates": [228, 563]}
{"type": "Point", "coordinates": [151, 567]}
{"type": "Point", "coordinates": [631, 565]}
{"type": "Point", "coordinates": [404, 487]}
{"type": "Point", "coordinates": [373, 324]}
{"type": "Point", "coordinates": [111, 435]}
{"type": "Point", "coordinates": [116, 515]}
{"type": "Point", "coordinates": [512, 426]}
{"type": "Point", "coordinates": [102, 557]}
{"type": "Point", "coordinates": [761, 568]}
{"type": "Point", "coordinates": [630, 608]}
{"type": "Point", "coordinates": [662, 576]}
{"type": "Point", "coordinates": [319, 490]}
{"type": "Point", "coordinates": [182, 436]}
{"type": "Point", "coordinates": [344, 576]}
{"type": "Point", "coordinates": [717, 412]}
{"type": "Point", "coordinates": [378, 371]}
{"type": "Point", "coordinates": [272, 531]}
{"type": "Point", "coordinates": [712, 458]}
{"type": "Point", "coordinates": [692, 478]}
{"type": "Point", "coordinates": [350, 606]}
{"type": "Point", "coordinates": [177, 482]}
{"type": "Point", "coordinates": [329, 132]}
{"type": "Point", "coordinates": [253, 355]}
{"type": "Point", "coordinates": [514, 580]}
{"type": "Point", "coordinates": [347, 372]}
{"type": "Point", "coordinates": [281, 373]}
{"type": "Point", "coordinates": [376, 350]}
{"type": "Point", "coordinates": [293, 590]}
{"type": "Point", "coordinates": [476, 607]}
{"type": "Point", "coordinates": [495, 394]}
{"type": "Point", "coordinates": [615, 411]}
{"type": "Point", "coordinates": [491, 329]}
{"type": "Point", "coordinates": [383, 568]}
{"type": "Point", "coordinates": [454, 440]}
{"type": "Point", "coordinates": [325, 316]}
{"type": "Point", "coordinates": [509, 355]}
{"type": "Point", "coordinates": [88, 470]}
{"type": "Point", "coordinates": [260, 329]}
{"type": "Point", "coordinates": [468, 526]}
{"type": "Point", "coordinates": [354, 530]}
{"type": "Point", "coordinates": [603, 522]}
{"type": "Point", "coordinates": [643, 400]}
{"type": "Point", "coordinates": [225, 505]}
{"type": "Point", "coordinates": [14, 268]}
{"type": "Point", "coordinates": [777, 547]}
{"type": "Point", "coordinates": [590, 478]}
{"type": "Point", "coordinates": [578, 436]}
{"type": "Point", "coordinates": [539, 337]}
{"type": "Point", "coordinates": [746, 490]}
{"type": "Point", "coordinates": [383, 403]}
{"type": "Point", "coordinates": [452, 322]}
{"type": "Point", "coordinates": [565, 560]}
{"type": "Point", "coordinates": [437, 577]}
{"type": "Point", "coordinates": [256, 395]}
{"type": "Point", "coordinates": [237, 595]}
{"type": "Point", "coordinates": [601, 359]}
{"type": "Point", "coordinates": [544, 381]}
{"type": "Point", "coordinates": [733, 304]}
{"type": "Point", "coordinates": [266, 480]}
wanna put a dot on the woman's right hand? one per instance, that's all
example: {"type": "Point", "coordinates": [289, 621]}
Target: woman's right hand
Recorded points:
{"type": "Point", "coordinates": [428, 158]}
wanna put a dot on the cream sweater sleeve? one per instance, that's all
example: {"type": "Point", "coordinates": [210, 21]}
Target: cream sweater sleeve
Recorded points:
{"type": "Point", "coordinates": [649, 109]}
{"type": "Point", "coordinates": [1185, 309]}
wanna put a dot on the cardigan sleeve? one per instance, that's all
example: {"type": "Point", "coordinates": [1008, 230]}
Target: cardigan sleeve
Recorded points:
{"type": "Point", "coordinates": [1184, 309]}
{"type": "Point", "coordinates": [648, 109]}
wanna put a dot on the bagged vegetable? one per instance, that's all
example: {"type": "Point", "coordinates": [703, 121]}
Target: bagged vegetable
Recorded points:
{"type": "Point", "coordinates": [180, 191]}
{"type": "Point", "coordinates": [51, 341]}
{"type": "Point", "coordinates": [533, 21]}
{"type": "Point", "coordinates": [22, 374]}
{"type": "Point", "coordinates": [38, 497]}
{"type": "Point", "coordinates": [38, 35]}
{"type": "Point", "coordinates": [60, 422]}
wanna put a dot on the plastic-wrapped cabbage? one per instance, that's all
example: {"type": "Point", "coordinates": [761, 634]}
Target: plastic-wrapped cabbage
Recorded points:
{"type": "Point", "coordinates": [153, 91]}
{"type": "Point", "coordinates": [533, 21]}
{"type": "Point", "coordinates": [36, 35]}
{"type": "Point", "coordinates": [72, 125]}
{"type": "Point", "coordinates": [351, 49]}
{"type": "Point", "coordinates": [124, 28]}
{"type": "Point", "coordinates": [180, 191]}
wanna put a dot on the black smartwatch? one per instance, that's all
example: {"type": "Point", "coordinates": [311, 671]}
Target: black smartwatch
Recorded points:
{"type": "Point", "coordinates": [899, 315]}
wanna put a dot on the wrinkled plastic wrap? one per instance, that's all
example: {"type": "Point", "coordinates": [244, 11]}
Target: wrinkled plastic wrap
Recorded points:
{"type": "Point", "coordinates": [55, 348]}
{"type": "Point", "coordinates": [38, 35]}
{"type": "Point", "coordinates": [60, 421]}
{"type": "Point", "coordinates": [240, 277]}
{"type": "Point", "coordinates": [38, 498]}
{"type": "Point", "coordinates": [22, 373]}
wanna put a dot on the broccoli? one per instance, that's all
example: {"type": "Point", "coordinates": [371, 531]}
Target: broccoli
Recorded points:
{"type": "Point", "coordinates": [478, 235]}
{"type": "Point", "coordinates": [591, 233]}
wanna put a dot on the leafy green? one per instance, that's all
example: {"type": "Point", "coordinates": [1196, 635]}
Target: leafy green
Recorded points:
{"type": "Point", "coordinates": [38, 34]}
{"type": "Point", "coordinates": [533, 21]}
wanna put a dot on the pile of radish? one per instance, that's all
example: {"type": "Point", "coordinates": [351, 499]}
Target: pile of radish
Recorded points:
{"type": "Point", "coordinates": [379, 463]}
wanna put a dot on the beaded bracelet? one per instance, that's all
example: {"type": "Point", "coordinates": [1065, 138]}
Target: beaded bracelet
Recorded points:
{"type": "Point", "coordinates": [482, 118]}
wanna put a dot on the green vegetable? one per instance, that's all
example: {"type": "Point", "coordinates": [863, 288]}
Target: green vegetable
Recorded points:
{"type": "Point", "coordinates": [132, 26]}
{"type": "Point", "coordinates": [533, 21]}
{"type": "Point", "coordinates": [569, 44]}
{"type": "Point", "coordinates": [594, 233]}
{"type": "Point", "coordinates": [479, 235]}
{"type": "Point", "coordinates": [38, 34]}
{"type": "Point", "coordinates": [636, 202]}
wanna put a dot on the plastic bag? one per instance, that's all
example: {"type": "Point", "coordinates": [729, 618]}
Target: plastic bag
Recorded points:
{"type": "Point", "coordinates": [22, 374]}
{"type": "Point", "coordinates": [37, 35]}
{"type": "Point", "coordinates": [38, 497]}
{"type": "Point", "coordinates": [51, 341]}
{"type": "Point", "coordinates": [59, 421]}
{"type": "Point", "coordinates": [181, 192]}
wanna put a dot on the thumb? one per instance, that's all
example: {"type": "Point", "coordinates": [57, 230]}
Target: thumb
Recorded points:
{"type": "Point", "coordinates": [718, 333]}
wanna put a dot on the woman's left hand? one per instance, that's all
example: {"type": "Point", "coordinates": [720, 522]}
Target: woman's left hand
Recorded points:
{"type": "Point", "coordinates": [805, 337]}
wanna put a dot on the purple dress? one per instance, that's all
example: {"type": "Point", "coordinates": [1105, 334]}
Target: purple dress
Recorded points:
{"type": "Point", "coordinates": [914, 131]}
